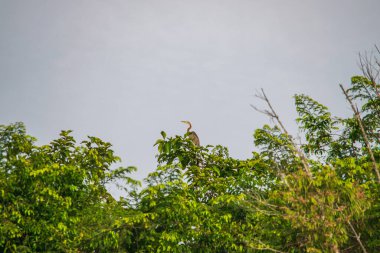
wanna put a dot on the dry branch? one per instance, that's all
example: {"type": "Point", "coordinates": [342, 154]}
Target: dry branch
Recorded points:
{"type": "Point", "coordinates": [274, 116]}
{"type": "Point", "coordinates": [369, 64]}
{"type": "Point", "coordinates": [357, 237]}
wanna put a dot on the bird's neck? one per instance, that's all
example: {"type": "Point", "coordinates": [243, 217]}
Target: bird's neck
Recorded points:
{"type": "Point", "coordinates": [188, 130]}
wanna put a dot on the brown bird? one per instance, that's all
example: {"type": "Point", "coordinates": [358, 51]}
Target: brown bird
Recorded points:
{"type": "Point", "coordinates": [192, 135]}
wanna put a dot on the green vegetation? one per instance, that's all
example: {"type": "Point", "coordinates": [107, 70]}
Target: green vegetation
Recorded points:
{"type": "Point", "coordinates": [318, 194]}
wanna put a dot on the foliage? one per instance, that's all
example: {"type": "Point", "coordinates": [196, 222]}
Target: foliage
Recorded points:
{"type": "Point", "coordinates": [201, 199]}
{"type": "Point", "coordinates": [53, 197]}
{"type": "Point", "coordinates": [320, 193]}
{"type": "Point", "coordinates": [194, 201]}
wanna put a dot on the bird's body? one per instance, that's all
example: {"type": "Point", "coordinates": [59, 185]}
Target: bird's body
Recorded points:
{"type": "Point", "coordinates": [192, 135]}
{"type": "Point", "coordinates": [194, 138]}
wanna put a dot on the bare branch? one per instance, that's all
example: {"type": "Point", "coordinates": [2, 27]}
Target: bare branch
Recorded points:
{"type": "Point", "coordinates": [266, 112]}
{"type": "Point", "coordinates": [369, 64]}
{"type": "Point", "coordinates": [376, 59]}
{"type": "Point", "coordinates": [357, 237]}
{"type": "Point", "coordinates": [273, 115]}
{"type": "Point", "coordinates": [357, 115]}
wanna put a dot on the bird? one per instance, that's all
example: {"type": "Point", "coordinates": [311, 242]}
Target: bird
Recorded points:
{"type": "Point", "coordinates": [192, 135]}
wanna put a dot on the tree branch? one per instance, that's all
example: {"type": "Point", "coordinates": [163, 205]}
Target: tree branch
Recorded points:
{"type": "Point", "coordinates": [357, 115]}
{"type": "Point", "coordinates": [265, 247]}
{"type": "Point", "coordinates": [357, 237]}
{"type": "Point", "coordinates": [274, 116]}
{"type": "Point", "coordinates": [370, 66]}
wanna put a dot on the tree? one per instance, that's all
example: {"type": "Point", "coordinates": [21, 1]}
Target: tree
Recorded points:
{"type": "Point", "coordinates": [319, 195]}
{"type": "Point", "coordinates": [53, 197]}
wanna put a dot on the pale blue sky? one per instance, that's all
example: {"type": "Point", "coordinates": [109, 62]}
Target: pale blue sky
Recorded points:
{"type": "Point", "coordinates": [125, 70]}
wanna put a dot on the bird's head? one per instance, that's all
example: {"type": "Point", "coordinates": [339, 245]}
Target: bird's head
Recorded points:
{"type": "Point", "coordinates": [186, 122]}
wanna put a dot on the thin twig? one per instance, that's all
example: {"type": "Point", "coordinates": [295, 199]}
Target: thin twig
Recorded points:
{"type": "Point", "coordinates": [357, 115]}
{"type": "Point", "coordinates": [370, 67]}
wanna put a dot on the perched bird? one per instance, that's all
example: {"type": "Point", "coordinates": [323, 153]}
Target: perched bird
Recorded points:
{"type": "Point", "coordinates": [192, 135]}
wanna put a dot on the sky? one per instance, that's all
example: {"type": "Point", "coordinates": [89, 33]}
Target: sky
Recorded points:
{"type": "Point", "coordinates": [125, 70]}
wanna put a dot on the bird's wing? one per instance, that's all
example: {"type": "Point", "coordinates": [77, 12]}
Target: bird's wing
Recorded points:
{"type": "Point", "coordinates": [194, 138]}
